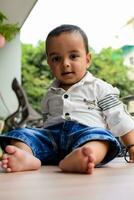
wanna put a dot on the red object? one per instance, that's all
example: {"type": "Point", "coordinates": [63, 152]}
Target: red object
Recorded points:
{"type": "Point", "coordinates": [2, 41]}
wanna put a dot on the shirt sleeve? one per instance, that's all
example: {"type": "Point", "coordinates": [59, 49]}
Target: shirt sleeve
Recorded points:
{"type": "Point", "coordinates": [118, 120]}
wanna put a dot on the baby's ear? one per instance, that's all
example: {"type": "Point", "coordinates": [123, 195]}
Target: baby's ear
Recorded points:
{"type": "Point", "coordinates": [89, 58]}
{"type": "Point", "coordinates": [48, 61]}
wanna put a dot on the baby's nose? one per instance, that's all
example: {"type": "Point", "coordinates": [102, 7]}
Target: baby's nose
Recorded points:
{"type": "Point", "coordinates": [66, 63]}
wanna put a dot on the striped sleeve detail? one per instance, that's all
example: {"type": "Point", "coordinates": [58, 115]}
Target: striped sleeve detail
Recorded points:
{"type": "Point", "coordinates": [110, 101]}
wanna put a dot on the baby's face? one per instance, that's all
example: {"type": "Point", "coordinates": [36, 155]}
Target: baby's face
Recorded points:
{"type": "Point", "coordinates": [67, 58]}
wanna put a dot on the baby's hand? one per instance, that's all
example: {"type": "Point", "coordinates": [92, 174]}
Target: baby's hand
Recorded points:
{"type": "Point", "coordinates": [130, 149]}
{"type": "Point", "coordinates": [1, 153]}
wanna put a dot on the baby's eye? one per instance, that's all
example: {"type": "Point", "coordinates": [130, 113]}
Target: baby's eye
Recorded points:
{"type": "Point", "coordinates": [56, 59]}
{"type": "Point", "coordinates": [74, 56]}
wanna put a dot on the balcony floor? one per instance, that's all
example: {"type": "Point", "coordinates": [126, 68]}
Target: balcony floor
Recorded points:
{"type": "Point", "coordinates": [112, 182]}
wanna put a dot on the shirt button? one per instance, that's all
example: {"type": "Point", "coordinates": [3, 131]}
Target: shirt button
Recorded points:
{"type": "Point", "coordinates": [66, 96]}
{"type": "Point", "coordinates": [67, 116]}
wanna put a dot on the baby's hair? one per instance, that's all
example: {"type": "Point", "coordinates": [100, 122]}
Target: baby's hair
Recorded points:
{"type": "Point", "coordinates": [68, 28]}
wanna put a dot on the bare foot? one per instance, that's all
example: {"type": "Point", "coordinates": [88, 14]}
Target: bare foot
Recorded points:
{"type": "Point", "coordinates": [81, 160]}
{"type": "Point", "coordinates": [16, 160]}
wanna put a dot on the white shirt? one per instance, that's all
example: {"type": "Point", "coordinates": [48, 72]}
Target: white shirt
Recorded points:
{"type": "Point", "coordinates": [91, 101]}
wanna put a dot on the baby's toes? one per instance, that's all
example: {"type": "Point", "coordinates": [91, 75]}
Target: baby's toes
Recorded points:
{"type": "Point", "coordinates": [5, 161]}
{"type": "Point", "coordinates": [5, 156]}
{"type": "Point", "coordinates": [90, 168]}
{"type": "Point", "coordinates": [8, 169]}
{"type": "Point", "coordinates": [4, 166]}
{"type": "Point", "coordinates": [91, 165]}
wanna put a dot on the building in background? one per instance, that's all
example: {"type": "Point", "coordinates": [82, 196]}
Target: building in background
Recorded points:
{"type": "Point", "coordinates": [125, 40]}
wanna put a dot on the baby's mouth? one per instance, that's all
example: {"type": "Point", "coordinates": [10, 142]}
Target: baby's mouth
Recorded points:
{"type": "Point", "coordinates": [67, 73]}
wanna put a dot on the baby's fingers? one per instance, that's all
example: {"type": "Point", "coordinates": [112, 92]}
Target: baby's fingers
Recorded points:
{"type": "Point", "coordinates": [131, 158]}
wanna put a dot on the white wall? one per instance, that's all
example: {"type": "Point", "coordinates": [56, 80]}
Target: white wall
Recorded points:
{"type": "Point", "coordinates": [10, 67]}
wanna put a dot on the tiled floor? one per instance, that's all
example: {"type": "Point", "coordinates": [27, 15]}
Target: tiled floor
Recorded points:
{"type": "Point", "coordinates": [112, 182]}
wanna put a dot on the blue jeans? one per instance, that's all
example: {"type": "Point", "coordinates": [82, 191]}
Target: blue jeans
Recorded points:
{"type": "Point", "coordinates": [53, 143]}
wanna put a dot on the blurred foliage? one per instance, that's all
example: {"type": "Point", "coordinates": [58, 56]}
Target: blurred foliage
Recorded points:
{"type": "Point", "coordinates": [108, 65]}
{"type": "Point", "coordinates": [36, 76]}
{"type": "Point", "coordinates": [35, 73]}
{"type": "Point", "coordinates": [6, 29]}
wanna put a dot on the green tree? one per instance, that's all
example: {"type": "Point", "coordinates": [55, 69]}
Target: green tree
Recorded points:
{"type": "Point", "coordinates": [36, 75]}
{"type": "Point", "coordinates": [108, 65]}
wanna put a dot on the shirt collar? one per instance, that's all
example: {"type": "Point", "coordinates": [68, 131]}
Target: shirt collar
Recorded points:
{"type": "Point", "coordinates": [87, 78]}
